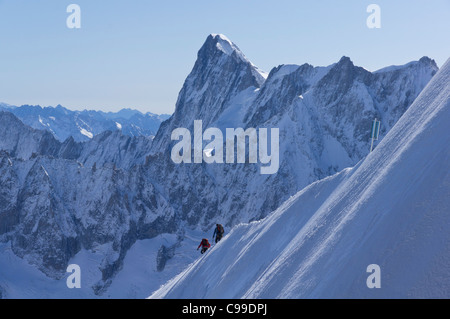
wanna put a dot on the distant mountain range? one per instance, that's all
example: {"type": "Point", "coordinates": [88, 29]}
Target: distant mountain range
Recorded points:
{"type": "Point", "coordinates": [84, 125]}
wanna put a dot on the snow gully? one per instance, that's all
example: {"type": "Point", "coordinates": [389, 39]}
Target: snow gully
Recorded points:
{"type": "Point", "coordinates": [213, 152]}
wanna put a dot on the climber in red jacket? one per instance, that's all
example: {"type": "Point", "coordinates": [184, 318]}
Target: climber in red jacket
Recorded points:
{"type": "Point", "coordinates": [204, 244]}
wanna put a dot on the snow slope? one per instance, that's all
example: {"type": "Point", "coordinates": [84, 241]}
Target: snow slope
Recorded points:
{"type": "Point", "coordinates": [391, 209]}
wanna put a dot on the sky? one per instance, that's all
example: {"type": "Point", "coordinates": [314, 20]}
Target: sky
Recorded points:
{"type": "Point", "coordinates": [137, 53]}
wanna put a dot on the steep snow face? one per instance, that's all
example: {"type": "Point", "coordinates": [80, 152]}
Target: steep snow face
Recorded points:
{"type": "Point", "coordinates": [390, 210]}
{"type": "Point", "coordinates": [217, 77]}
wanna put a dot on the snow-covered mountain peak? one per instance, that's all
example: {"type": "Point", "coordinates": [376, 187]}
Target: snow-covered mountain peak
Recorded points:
{"type": "Point", "coordinates": [219, 77]}
{"type": "Point", "coordinates": [218, 45]}
{"type": "Point", "coordinates": [427, 60]}
{"type": "Point", "coordinates": [343, 71]}
{"type": "Point", "coordinates": [226, 45]}
{"type": "Point", "coordinates": [223, 44]}
{"type": "Point", "coordinates": [282, 70]}
{"type": "Point", "coordinates": [345, 60]}
{"type": "Point", "coordinates": [220, 36]}
{"type": "Point", "coordinates": [424, 62]}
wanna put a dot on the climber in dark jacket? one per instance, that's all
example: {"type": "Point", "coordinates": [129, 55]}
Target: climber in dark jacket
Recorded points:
{"type": "Point", "coordinates": [218, 232]}
{"type": "Point", "coordinates": [204, 244]}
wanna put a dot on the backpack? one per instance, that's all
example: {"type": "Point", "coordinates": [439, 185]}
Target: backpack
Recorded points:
{"type": "Point", "coordinates": [205, 242]}
{"type": "Point", "coordinates": [220, 229]}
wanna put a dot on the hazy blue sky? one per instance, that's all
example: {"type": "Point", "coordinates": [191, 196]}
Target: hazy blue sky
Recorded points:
{"type": "Point", "coordinates": [137, 53]}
